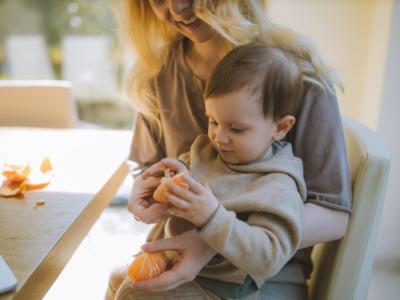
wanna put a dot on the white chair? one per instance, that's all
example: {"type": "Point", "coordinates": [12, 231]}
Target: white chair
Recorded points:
{"type": "Point", "coordinates": [88, 65]}
{"type": "Point", "coordinates": [27, 57]}
{"type": "Point", "coordinates": [41, 103]}
{"type": "Point", "coordinates": [342, 268]}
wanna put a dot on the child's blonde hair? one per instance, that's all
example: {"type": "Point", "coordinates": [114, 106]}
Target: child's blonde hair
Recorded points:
{"type": "Point", "coordinates": [238, 22]}
{"type": "Point", "coordinates": [269, 73]}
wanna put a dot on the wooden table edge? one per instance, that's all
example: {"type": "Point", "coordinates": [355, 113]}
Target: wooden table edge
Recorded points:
{"type": "Point", "coordinates": [47, 272]}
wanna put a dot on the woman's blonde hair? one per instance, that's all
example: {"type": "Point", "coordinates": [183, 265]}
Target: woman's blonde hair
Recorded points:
{"type": "Point", "coordinates": [238, 22]}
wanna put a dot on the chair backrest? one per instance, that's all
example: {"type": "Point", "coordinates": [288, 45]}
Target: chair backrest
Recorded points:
{"type": "Point", "coordinates": [27, 57]}
{"type": "Point", "coordinates": [39, 103]}
{"type": "Point", "coordinates": [342, 268]}
{"type": "Point", "coordinates": [88, 65]}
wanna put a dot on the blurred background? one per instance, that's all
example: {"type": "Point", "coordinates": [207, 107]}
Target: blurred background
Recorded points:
{"type": "Point", "coordinates": [69, 40]}
{"type": "Point", "coordinates": [76, 41]}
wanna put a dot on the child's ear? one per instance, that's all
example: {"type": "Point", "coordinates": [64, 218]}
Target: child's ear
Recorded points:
{"type": "Point", "coordinates": [283, 125]}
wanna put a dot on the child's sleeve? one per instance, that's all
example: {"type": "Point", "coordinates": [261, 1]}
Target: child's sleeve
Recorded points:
{"type": "Point", "coordinates": [185, 159]}
{"type": "Point", "coordinates": [263, 244]}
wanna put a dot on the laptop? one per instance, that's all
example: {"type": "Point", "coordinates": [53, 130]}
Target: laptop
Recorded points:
{"type": "Point", "coordinates": [8, 282]}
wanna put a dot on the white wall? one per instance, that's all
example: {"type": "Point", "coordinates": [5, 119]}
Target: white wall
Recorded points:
{"type": "Point", "coordinates": [352, 36]}
{"type": "Point", "coordinates": [388, 247]}
{"type": "Point", "coordinates": [361, 39]}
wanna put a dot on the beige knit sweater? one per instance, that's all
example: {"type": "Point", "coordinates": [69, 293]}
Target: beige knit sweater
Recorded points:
{"type": "Point", "coordinates": [267, 193]}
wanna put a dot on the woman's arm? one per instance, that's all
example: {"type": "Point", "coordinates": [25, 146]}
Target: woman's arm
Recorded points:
{"type": "Point", "coordinates": [318, 140]}
{"type": "Point", "coordinates": [322, 224]}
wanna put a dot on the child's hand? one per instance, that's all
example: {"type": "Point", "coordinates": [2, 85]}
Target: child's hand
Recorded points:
{"type": "Point", "coordinates": [157, 170]}
{"type": "Point", "coordinates": [195, 205]}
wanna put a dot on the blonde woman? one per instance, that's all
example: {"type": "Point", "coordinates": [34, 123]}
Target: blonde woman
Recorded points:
{"type": "Point", "coordinates": [177, 44]}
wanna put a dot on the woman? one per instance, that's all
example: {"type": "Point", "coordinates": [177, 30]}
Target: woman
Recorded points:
{"type": "Point", "coordinates": [178, 42]}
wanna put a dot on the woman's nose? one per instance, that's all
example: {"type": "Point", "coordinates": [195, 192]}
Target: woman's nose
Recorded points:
{"type": "Point", "coordinates": [180, 7]}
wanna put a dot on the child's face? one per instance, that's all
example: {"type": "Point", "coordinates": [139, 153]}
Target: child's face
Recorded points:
{"type": "Point", "coordinates": [238, 128]}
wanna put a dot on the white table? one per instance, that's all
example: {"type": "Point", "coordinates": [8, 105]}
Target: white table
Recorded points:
{"type": "Point", "coordinates": [89, 167]}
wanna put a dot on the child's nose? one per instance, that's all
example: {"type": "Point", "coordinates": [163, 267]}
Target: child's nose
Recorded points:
{"type": "Point", "coordinates": [221, 137]}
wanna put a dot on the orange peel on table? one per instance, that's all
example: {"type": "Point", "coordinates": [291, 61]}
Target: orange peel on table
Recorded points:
{"type": "Point", "coordinates": [39, 203]}
{"type": "Point", "coordinates": [15, 173]}
{"type": "Point", "coordinates": [159, 193]}
{"type": "Point", "coordinates": [18, 179]}
{"type": "Point", "coordinates": [9, 188]}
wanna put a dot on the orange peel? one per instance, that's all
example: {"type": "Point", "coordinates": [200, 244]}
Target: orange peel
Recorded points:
{"type": "Point", "coordinates": [159, 193]}
{"type": "Point", "coordinates": [16, 173]}
{"type": "Point", "coordinates": [20, 178]}
{"type": "Point", "coordinates": [10, 189]}
{"type": "Point", "coordinates": [46, 165]}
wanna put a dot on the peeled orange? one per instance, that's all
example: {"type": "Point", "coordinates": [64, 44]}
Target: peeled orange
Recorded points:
{"type": "Point", "coordinates": [147, 265]}
{"type": "Point", "coordinates": [159, 193]}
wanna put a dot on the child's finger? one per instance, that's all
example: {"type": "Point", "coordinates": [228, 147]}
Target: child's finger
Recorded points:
{"type": "Point", "coordinates": [180, 192]}
{"type": "Point", "coordinates": [194, 185]}
{"type": "Point", "coordinates": [207, 187]}
{"type": "Point", "coordinates": [176, 212]}
{"type": "Point", "coordinates": [177, 202]}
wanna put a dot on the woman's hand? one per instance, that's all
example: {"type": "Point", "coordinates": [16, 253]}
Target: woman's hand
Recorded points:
{"type": "Point", "coordinates": [196, 204]}
{"type": "Point", "coordinates": [141, 205]}
{"type": "Point", "coordinates": [157, 170]}
{"type": "Point", "coordinates": [193, 253]}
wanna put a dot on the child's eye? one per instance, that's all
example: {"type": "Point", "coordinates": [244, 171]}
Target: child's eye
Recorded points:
{"type": "Point", "coordinates": [237, 130]}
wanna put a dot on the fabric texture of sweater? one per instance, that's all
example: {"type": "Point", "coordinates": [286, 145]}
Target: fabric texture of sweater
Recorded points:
{"type": "Point", "coordinates": [257, 229]}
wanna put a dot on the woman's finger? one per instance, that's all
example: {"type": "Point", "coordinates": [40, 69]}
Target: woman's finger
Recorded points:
{"type": "Point", "coordinates": [173, 243]}
{"type": "Point", "coordinates": [164, 282]}
{"type": "Point", "coordinates": [155, 170]}
{"type": "Point", "coordinates": [143, 203]}
{"type": "Point", "coordinates": [153, 214]}
{"type": "Point", "coordinates": [173, 164]}
{"type": "Point", "coordinates": [150, 182]}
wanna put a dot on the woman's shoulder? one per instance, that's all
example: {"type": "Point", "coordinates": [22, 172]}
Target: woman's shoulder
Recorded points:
{"type": "Point", "coordinates": [319, 100]}
{"type": "Point", "coordinates": [321, 92]}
